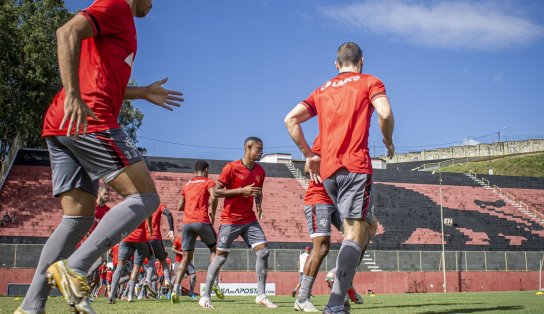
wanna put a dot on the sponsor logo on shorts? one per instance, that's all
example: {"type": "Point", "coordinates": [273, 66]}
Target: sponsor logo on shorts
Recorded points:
{"type": "Point", "coordinates": [224, 239]}
{"type": "Point", "coordinates": [323, 222]}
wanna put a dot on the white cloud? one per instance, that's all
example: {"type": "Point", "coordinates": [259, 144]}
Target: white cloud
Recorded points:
{"type": "Point", "coordinates": [460, 25]}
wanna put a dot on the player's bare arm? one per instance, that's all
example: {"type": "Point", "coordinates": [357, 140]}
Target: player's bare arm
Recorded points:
{"type": "Point", "coordinates": [181, 204]}
{"type": "Point", "coordinates": [247, 190]}
{"type": "Point", "coordinates": [176, 251]}
{"type": "Point", "coordinates": [258, 205]}
{"type": "Point", "coordinates": [69, 37]}
{"type": "Point", "coordinates": [156, 94]}
{"type": "Point", "coordinates": [213, 204]}
{"type": "Point", "coordinates": [386, 122]}
{"type": "Point", "coordinates": [293, 122]}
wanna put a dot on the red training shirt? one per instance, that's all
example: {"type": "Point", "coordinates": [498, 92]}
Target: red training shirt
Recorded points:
{"type": "Point", "coordinates": [102, 269]}
{"type": "Point", "coordinates": [343, 106]}
{"type": "Point", "coordinates": [114, 253]}
{"type": "Point", "coordinates": [109, 275]}
{"type": "Point", "coordinates": [239, 209]}
{"type": "Point", "coordinates": [99, 213]}
{"type": "Point", "coordinates": [104, 69]}
{"type": "Point", "coordinates": [177, 245]}
{"type": "Point", "coordinates": [139, 234]}
{"type": "Point", "coordinates": [156, 223]}
{"type": "Point", "coordinates": [197, 195]}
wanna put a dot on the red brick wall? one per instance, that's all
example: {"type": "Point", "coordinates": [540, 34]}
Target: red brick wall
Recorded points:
{"type": "Point", "coordinates": [379, 282]}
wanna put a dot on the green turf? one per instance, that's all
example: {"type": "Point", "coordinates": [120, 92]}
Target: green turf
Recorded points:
{"type": "Point", "coordinates": [483, 302]}
{"type": "Point", "coordinates": [526, 165]}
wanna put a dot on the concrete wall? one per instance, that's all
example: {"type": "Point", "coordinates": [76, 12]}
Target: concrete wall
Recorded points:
{"type": "Point", "coordinates": [379, 282]}
{"type": "Point", "coordinates": [480, 150]}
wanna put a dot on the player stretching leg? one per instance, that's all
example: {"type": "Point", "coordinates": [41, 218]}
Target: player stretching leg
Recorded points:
{"type": "Point", "coordinates": [155, 240]}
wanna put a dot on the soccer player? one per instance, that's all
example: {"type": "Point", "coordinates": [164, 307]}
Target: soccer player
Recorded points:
{"type": "Point", "coordinates": [344, 106]}
{"type": "Point", "coordinates": [241, 182]}
{"type": "Point", "coordinates": [190, 272]}
{"type": "Point", "coordinates": [196, 198]}
{"type": "Point", "coordinates": [155, 239]}
{"type": "Point", "coordinates": [301, 262]}
{"type": "Point", "coordinates": [96, 50]}
{"type": "Point", "coordinates": [135, 242]}
{"type": "Point", "coordinates": [320, 213]}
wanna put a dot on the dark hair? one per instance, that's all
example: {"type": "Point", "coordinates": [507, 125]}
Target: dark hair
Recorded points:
{"type": "Point", "coordinates": [349, 54]}
{"type": "Point", "coordinates": [201, 165]}
{"type": "Point", "coordinates": [252, 139]}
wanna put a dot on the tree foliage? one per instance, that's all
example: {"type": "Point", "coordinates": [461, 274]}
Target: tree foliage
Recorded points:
{"type": "Point", "coordinates": [29, 74]}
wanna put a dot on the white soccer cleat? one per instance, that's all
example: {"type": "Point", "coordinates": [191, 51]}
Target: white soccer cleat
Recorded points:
{"type": "Point", "coordinates": [305, 306]}
{"type": "Point", "coordinates": [205, 303]}
{"type": "Point", "coordinates": [264, 301]}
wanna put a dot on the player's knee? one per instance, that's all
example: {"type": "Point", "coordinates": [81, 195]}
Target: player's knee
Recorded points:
{"type": "Point", "coordinates": [263, 253]}
{"type": "Point", "coordinates": [149, 201]}
{"type": "Point", "coordinates": [322, 250]}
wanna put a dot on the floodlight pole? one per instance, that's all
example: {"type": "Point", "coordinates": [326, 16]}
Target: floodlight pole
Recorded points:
{"type": "Point", "coordinates": [442, 231]}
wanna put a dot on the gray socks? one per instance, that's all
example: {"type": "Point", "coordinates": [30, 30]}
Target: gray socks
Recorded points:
{"type": "Point", "coordinates": [305, 288]}
{"type": "Point", "coordinates": [261, 268]}
{"type": "Point", "coordinates": [60, 244]}
{"type": "Point", "coordinates": [192, 284]}
{"type": "Point", "coordinates": [115, 281]}
{"type": "Point", "coordinates": [120, 221]}
{"type": "Point", "coordinates": [346, 264]}
{"type": "Point", "coordinates": [213, 270]}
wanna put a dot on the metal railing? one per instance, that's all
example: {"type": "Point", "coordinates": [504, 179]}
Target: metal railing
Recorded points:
{"type": "Point", "coordinates": [285, 260]}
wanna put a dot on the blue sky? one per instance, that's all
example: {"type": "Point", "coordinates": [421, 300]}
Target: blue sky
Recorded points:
{"type": "Point", "coordinates": [452, 69]}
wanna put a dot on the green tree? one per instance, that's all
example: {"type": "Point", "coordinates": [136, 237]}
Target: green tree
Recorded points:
{"type": "Point", "coordinates": [130, 118]}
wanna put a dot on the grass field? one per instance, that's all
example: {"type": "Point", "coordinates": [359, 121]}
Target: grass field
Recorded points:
{"type": "Point", "coordinates": [526, 165]}
{"type": "Point", "coordinates": [483, 302]}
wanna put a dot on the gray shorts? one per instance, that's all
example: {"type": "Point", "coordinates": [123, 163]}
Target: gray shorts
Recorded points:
{"type": "Point", "coordinates": [140, 250]}
{"type": "Point", "coordinates": [320, 217]}
{"type": "Point", "coordinates": [197, 229]}
{"type": "Point", "coordinates": [81, 163]}
{"type": "Point", "coordinates": [158, 249]}
{"type": "Point", "coordinates": [351, 193]}
{"type": "Point", "coordinates": [252, 233]}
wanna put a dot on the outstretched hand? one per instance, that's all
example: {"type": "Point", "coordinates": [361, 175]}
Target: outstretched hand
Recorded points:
{"type": "Point", "coordinates": [163, 97]}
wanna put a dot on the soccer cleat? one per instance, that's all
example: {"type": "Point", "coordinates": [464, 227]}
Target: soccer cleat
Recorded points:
{"type": "Point", "coordinates": [174, 298]}
{"type": "Point", "coordinates": [327, 310]}
{"type": "Point", "coordinates": [73, 286]}
{"type": "Point", "coordinates": [192, 296]}
{"type": "Point", "coordinates": [217, 291]}
{"type": "Point", "coordinates": [305, 306]}
{"type": "Point", "coordinates": [150, 290]}
{"type": "Point", "coordinates": [205, 302]}
{"type": "Point", "coordinates": [19, 310]}
{"type": "Point", "coordinates": [358, 298]}
{"type": "Point", "coordinates": [264, 301]}
{"type": "Point", "coordinates": [130, 298]}
{"type": "Point", "coordinates": [111, 301]}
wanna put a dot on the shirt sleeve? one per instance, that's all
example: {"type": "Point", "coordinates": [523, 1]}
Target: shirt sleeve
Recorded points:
{"type": "Point", "coordinates": [376, 89]}
{"type": "Point", "coordinates": [104, 17]}
{"type": "Point", "coordinates": [226, 175]}
{"type": "Point", "coordinates": [210, 184]}
{"type": "Point", "coordinates": [309, 103]}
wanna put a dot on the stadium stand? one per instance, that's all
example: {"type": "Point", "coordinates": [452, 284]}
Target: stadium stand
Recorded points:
{"type": "Point", "coordinates": [407, 204]}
